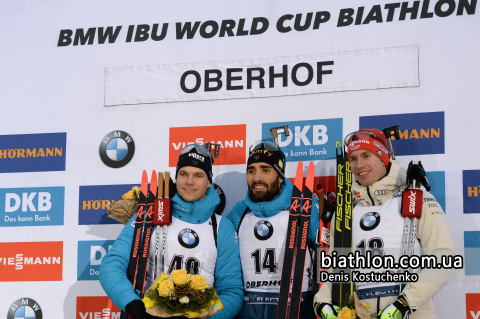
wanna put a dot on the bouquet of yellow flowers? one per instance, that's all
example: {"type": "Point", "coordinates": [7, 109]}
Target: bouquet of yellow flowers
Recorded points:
{"type": "Point", "coordinates": [122, 210]}
{"type": "Point", "coordinates": [354, 308]}
{"type": "Point", "coordinates": [182, 294]}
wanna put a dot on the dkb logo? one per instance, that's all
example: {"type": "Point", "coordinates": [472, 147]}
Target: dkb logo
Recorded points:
{"type": "Point", "coordinates": [90, 255]}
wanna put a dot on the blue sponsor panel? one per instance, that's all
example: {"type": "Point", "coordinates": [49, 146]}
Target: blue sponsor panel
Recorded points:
{"type": "Point", "coordinates": [437, 181]}
{"type": "Point", "coordinates": [94, 200]}
{"type": "Point", "coordinates": [90, 255]}
{"type": "Point", "coordinates": [420, 133]}
{"type": "Point", "coordinates": [308, 140]}
{"type": "Point", "coordinates": [472, 253]}
{"type": "Point", "coordinates": [471, 192]}
{"type": "Point", "coordinates": [32, 206]}
{"type": "Point", "coordinates": [33, 152]}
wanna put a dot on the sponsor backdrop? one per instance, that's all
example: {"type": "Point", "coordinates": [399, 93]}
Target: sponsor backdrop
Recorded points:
{"type": "Point", "coordinates": [93, 94]}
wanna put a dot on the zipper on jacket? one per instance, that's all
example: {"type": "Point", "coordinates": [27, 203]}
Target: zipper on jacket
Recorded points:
{"type": "Point", "coordinates": [371, 198]}
{"type": "Point", "coordinates": [190, 217]}
{"type": "Point", "coordinates": [261, 209]}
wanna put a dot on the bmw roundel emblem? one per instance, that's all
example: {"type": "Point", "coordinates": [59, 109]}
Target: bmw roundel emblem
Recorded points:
{"type": "Point", "coordinates": [117, 149]}
{"type": "Point", "coordinates": [188, 238]}
{"type": "Point", "coordinates": [370, 221]}
{"type": "Point", "coordinates": [263, 230]}
{"type": "Point", "coordinates": [25, 308]}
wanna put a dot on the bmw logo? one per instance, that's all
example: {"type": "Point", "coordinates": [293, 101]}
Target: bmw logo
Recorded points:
{"type": "Point", "coordinates": [188, 238]}
{"type": "Point", "coordinates": [369, 221]}
{"type": "Point", "coordinates": [263, 230]}
{"type": "Point", "coordinates": [117, 149]}
{"type": "Point", "coordinates": [25, 308]}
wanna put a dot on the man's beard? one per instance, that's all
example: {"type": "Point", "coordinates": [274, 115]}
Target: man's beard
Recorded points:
{"type": "Point", "coordinates": [272, 191]}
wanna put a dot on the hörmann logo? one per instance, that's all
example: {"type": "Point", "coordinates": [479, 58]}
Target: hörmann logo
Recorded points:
{"type": "Point", "coordinates": [420, 133]}
{"type": "Point", "coordinates": [94, 200]}
{"type": "Point", "coordinates": [96, 308]}
{"type": "Point", "coordinates": [90, 255]}
{"type": "Point", "coordinates": [471, 241]}
{"type": "Point", "coordinates": [308, 140]}
{"type": "Point", "coordinates": [230, 137]}
{"type": "Point", "coordinates": [33, 152]}
{"type": "Point", "coordinates": [36, 206]}
{"type": "Point", "coordinates": [473, 305]}
{"type": "Point", "coordinates": [31, 261]}
{"type": "Point", "coordinates": [471, 192]}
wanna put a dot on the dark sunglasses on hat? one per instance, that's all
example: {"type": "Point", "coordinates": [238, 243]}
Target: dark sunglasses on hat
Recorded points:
{"type": "Point", "coordinates": [200, 149]}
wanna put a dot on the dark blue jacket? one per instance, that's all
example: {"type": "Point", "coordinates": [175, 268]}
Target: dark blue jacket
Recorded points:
{"type": "Point", "coordinates": [228, 272]}
{"type": "Point", "coordinates": [268, 209]}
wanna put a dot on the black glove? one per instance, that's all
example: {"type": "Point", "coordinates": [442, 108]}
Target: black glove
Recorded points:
{"type": "Point", "coordinates": [416, 172]}
{"type": "Point", "coordinates": [137, 310]}
{"type": "Point", "coordinates": [397, 310]}
{"type": "Point", "coordinates": [329, 207]}
{"type": "Point", "coordinates": [326, 310]}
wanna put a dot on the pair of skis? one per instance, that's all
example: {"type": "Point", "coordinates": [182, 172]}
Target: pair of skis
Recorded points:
{"type": "Point", "coordinates": [296, 245]}
{"type": "Point", "coordinates": [343, 223]}
{"type": "Point", "coordinates": [148, 205]}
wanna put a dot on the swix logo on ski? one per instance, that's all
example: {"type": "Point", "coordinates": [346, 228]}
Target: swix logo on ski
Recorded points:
{"type": "Point", "coordinates": [94, 201]}
{"type": "Point", "coordinates": [33, 152]}
{"type": "Point", "coordinates": [90, 255]}
{"type": "Point", "coordinates": [420, 133]}
{"type": "Point", "coordinates": [471, 192]}
{"type": "Point", "coordinates": [471, 241]}
{"type": "Point", "coordinates": [31, 261]}
{"type": "Point", "coordinates": [230, 137]}
{"type": "Point", "coordinates": [34, 206]}
{"type": "Point", "coordinates": [307, 140]}
{"type": "Point", "coordinates": [96, 308]}
{"type": "Point", "coordinates": [473, 305]}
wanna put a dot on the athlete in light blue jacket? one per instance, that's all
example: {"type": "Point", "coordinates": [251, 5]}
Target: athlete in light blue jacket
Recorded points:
{"type": "Point", "coordinates": [214, 253]}
{"type": "Point", "coordinates": [261, 222]}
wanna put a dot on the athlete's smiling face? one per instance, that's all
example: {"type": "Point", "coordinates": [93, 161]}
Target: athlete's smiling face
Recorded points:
{"type": "Point", "coordinates": [263, 182]}
{"type": "Point", "coordinates": [192, 183]}
{"type": "Point", "coordinates": [366, 167]}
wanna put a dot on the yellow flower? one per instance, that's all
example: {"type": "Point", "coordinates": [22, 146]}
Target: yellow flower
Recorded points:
{"type": "Point", "coordinates": [163, 277]}
{"type": "Point", "coordinates": [180, 277]}
{"type": "Point", "coordinates": [130, 195]}
{"type": "Point", "coordinates": [198, 282]}
{"type": "Point", "coordinates": [165, 288]}
{"type": "Point", "coordinates": [346, 313]}
{"type": "Point", "coordinates": [149, 303]}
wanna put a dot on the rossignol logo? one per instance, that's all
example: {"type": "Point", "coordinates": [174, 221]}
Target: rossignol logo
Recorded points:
{"type": "Point", "coordinates": [96, 308]}
{"type": "Point", "coordinates": [308, 140]}
{"type": "Point", "coordinates": [33, 152]}
{"type": "Point", "coordinates": [473, 305]}
{"type": "Point", "coordinates": [230, 137]}
{"type": "Point", "coordinates": [34, 206]}
{"type": "Point", "coordinates": [90, 256]}
{"type": "Point", "coordinates": [188, 238]}
{"type": "Point", "coordinates": [25, 308]}
{"type": "Point", "coordinates": [117, 149]}
{"type": "Point", "coordinates": [421, 133]}
{"type": "Point", "coordinates": [94, 201]}
{"type": "Point", "coordinates": [370, 221]}
{"type": "Point", "coordinates": [31, 261]}
{"type": "Point", "coordinates": [263, 230]}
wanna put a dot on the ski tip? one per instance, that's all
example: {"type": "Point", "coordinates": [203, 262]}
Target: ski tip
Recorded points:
{"type": "Point", "coordinates": [144, 185]}
{"type": "Point", "coordinates": [153, 183]}
{"type": "Point", "coordinates": [310, 177]}
{"type": "Point", "coordinates": [299, 176]}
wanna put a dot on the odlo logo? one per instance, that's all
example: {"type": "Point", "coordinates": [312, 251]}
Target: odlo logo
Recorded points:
{"type": "Point", "coordinates": [25, 308]}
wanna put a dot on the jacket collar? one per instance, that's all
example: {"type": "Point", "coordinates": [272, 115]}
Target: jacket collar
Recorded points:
{"type": "Point", "coordinates": [271, 208]}
{"type": "Point", "coordinates": [198, 211]}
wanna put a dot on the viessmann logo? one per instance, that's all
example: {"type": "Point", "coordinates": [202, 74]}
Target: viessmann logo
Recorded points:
{"type": "Point", "coordinates": [230, 137]}
{"type": "Point", "coordinates": [307, 140]}
{"type": "Point", "coordinates": [473, 306]}
{"type": "Point", "coordinates": [34, 206]}
{"type": "Point", "coordinates": [421, 133]}
{"type": "Point", "coordinates": [33, 152]}
{"type": "Point", "coordinates": [31, 261]}
{"type": "Point", "coordinates": [96, 307]}
{"type": "Point", "coordinates": [94, 200]}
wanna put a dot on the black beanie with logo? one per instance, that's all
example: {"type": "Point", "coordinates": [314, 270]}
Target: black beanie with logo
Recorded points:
{"type": "Point", "coordinates": [194, 159]}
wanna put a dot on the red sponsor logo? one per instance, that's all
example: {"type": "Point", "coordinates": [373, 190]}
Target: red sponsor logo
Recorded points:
{"type": "Point", "coordinates": [231, 138]}
{"type": "Point", "coordinates": [96, 308]}
{"type": "Point", "coordinates": [36, 261]}
{"type": "Point", "coordinates": [473, 306]}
